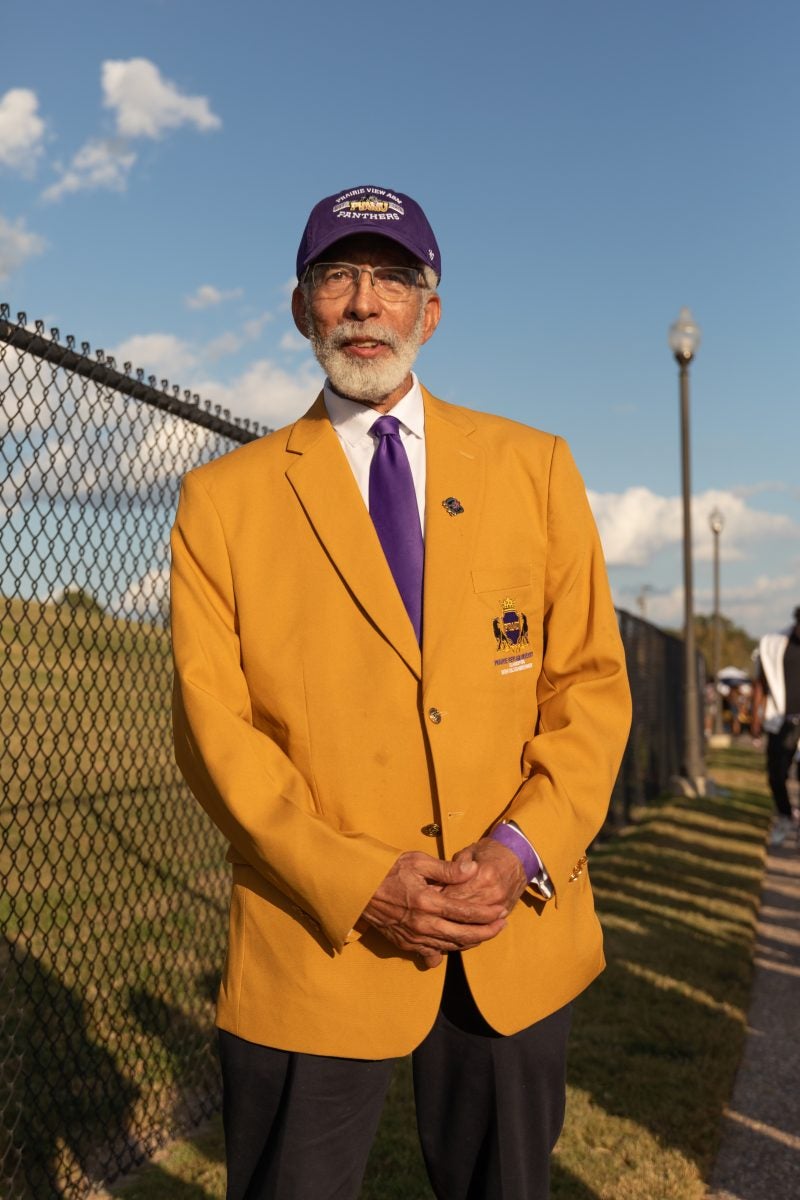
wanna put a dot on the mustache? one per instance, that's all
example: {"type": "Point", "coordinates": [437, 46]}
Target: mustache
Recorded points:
{"type": "Point", "coordinates": [349, 331]}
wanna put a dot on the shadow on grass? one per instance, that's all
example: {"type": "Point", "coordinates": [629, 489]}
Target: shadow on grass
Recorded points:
{"type": "Point", "coordinates": [657, 1038]}
{"type": "Point", "coordinates": [158, 1184]}
{"type": "Point", "coordinates": [193, 1171]}
{"type": "Point", "coordinates": [188, 1055]}
{"type": "Point", "coordinates": [566, 1186]}
{"type": "Point", "coordinates": [176, 878]}
{"type": "Point", "coordinates": [63, 1098]}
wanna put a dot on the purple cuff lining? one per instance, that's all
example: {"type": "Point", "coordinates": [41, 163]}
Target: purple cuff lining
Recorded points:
{"type": "Point", "coordinates": [516, 841]}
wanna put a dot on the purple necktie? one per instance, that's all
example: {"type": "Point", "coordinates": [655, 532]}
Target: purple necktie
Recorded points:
{"type": "Point", "coordinates": [395, 514]}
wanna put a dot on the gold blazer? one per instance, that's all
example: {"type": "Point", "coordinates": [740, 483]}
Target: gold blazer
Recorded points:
{"type": "Point", "coordinates": [323, 742]}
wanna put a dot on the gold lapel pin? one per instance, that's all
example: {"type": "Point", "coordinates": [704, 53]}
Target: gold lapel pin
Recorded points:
{"type": "Point", "coordinates": [452, 507]}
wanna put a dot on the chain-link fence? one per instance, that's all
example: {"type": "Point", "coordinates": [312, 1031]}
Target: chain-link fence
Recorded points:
{"type": "Point", "coordinates": [113, 887]}
{"type": "Point", "coordinates": [112, 884]}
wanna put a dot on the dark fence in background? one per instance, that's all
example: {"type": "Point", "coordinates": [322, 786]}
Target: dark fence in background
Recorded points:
{"type": "Point", "coordinates": [113, 888]}
{"type": "Point", "coordinates": [653, 754]}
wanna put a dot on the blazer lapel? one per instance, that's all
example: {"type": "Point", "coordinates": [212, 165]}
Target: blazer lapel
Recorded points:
{"type": "Point", "coordinates": [455, 471]}
{"type": "Point", "coordinates": [328, 492]}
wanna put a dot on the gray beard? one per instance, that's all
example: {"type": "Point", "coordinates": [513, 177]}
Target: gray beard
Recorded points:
{"type": "Point", "coordinates": [366, 381]}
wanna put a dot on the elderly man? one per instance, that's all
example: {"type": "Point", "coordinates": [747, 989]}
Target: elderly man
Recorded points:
{"type": "Point", "coordinates": [400, 694]}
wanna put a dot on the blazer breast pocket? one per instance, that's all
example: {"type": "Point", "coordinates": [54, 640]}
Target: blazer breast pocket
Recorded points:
{"type": "Point", "coordinates": [512, 588]}
{"type": "Point", "coordinates": [509, 600]}
{"type": "Point", "coordinates": [502, 579]}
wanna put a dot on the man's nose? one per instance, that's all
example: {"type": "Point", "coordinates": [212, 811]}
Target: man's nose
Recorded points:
{"type": "Point", "coordinates": [363, 301]}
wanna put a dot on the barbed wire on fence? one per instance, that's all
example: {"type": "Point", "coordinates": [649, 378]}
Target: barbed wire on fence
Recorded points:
{"type": "Point", "coordinates": [103, 371]}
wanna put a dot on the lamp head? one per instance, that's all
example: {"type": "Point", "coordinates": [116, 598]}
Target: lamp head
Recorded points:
{"type": "Point", "coordinates": [684, 336]}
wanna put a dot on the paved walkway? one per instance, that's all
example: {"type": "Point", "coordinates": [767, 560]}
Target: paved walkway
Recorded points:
{"type": "Point", "coordinates": [760, 1154]}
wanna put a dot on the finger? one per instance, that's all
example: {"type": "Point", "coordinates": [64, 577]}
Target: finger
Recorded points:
{"type": "Point", "coordinates": [477, 894]}
{"type": "Point", "coordinates": [465, 855]}
{"type": "Point", "coordinates": [469, 910]}
{"type": "Point", "coordinates": [444, 937]}
{"type": "Point", "coordinates": [485, 886]}
{"type": "Point", "coordinates": [460, 937]}
{"type": "Point", "coordinates": [441, 871]}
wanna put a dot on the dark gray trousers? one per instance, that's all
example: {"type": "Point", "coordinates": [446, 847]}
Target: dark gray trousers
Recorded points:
{"type": "Point", "coordinates": [489, 1110]}
{"type": "Point", "coordinates": [781, 749]}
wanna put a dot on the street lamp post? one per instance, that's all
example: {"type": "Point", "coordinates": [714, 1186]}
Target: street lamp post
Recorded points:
{"type": "Point", "coordinates": [684, 339]}
{"type": "Point", "coordinates": [641, 599]}
{"type": "Point", "coordinates": [717, 524]}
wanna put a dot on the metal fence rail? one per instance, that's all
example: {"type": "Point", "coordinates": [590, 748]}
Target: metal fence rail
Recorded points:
{"type": "Point", "coordinates": [113, 888]}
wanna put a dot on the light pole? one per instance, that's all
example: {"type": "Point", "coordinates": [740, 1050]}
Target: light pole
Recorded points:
{"type": "Point", "coordinates": [717, 524]}
{"type": "Point", "coordinates": [684, 339]}
{"type": "Point", "coordinates": [641, 599]}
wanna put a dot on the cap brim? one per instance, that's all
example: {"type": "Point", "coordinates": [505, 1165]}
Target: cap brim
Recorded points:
{"type": "Point", "coordinates": [380, 232]}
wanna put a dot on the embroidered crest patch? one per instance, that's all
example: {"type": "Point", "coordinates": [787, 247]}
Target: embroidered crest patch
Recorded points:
{"type": "Point", "coordinates": [510, 629]}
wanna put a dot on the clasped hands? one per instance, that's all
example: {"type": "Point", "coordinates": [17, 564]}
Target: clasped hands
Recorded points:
{"type": "Point", "coordinates": [429, 907]}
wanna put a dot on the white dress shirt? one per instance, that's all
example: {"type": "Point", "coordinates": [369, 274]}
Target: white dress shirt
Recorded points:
{"type": "Point", "coordinates": [352, 422]}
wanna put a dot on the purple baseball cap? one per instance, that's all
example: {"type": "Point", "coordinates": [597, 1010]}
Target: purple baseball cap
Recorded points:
{"type": "Point", "coordinates": [368, 210]}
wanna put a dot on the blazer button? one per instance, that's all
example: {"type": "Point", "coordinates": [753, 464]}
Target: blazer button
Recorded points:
{"type": "Point", "coordinates": [435, 716]}
{"type": "Point", "coordinates": [432, 830]}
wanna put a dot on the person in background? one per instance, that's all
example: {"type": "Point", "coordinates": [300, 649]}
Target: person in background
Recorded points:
{"type": "Point", "coordinates": [776, 710]}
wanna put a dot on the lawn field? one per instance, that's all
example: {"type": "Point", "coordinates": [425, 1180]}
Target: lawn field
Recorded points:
{"type": "Point", "coordinates": [656, 1040]}
{"type": "Point", "coordinates": [113, 904]}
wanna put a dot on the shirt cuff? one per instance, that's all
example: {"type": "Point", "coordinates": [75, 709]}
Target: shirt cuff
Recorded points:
{"type": "Point", "coordinates": [509, 834]}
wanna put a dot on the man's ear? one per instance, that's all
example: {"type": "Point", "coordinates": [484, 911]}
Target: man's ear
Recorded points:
{"type": "Point", "coordinates": [299, 311]}
{"type": "Point", "coordinates": [433, 312]}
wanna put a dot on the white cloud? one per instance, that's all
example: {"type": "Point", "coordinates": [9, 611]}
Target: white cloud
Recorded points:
{"type": "Point", "coordinates": [293, 342]}
{"type": "Point", "coordinates": [266, 393]}
{"type": "Point", "coordinates": [21, 130]}
{"type": "Point", "coordinates": [159, 354]}
{"type": "Point", "coordinates": [762, 604]}
{"type": "Point", "coordinates": [146, 598]}
{"type": "Point", "coordinates": [765, 487]}
{"type": "Point", "coordinates": [100, 163]}
{"type": "Point", "coordinates": [765, 604]}
{"type": "Point", "coordinates": [146, 104]}
{"type": "Point", "coordinates": [636, 524]}
{"type": "Point", "coordinates": [207, 296]}
{"type": "Point", "coordinates": [254, 327]}
{"type": "Point", "coordinates": [263, 391]}
{"type": "Point", "coordinates": [231, 341]}
{"type": "Point", "coordinates": [223, 345]}
{"type": "Point", "coordinates": [16, 245]}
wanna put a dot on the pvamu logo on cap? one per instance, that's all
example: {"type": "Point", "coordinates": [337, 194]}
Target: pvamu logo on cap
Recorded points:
{"type": "Point", "coordinates": [369, 204]}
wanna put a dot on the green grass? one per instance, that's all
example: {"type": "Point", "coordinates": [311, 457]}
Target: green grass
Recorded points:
{"type": "Point", "coordinates": [656, 1040]}
{"type": "Point", "coordinates": [113, 903]}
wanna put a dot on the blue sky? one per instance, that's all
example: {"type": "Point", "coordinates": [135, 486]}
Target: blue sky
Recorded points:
{"type": "Point", "coordinates": [588, 168]}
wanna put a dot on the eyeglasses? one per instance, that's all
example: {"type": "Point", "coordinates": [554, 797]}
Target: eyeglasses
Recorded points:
{"type": "Point", "coordinates": [332, 280]}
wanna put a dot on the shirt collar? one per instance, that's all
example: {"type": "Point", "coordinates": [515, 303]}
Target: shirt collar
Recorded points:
{"type": "Point", "coordinates": [352, 421]}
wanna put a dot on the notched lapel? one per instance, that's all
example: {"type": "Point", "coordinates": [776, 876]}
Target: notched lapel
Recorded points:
{"type": "Point", "coordinates": [455, 470]}
{"type": "Point", "coordinates": [326, 488]}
